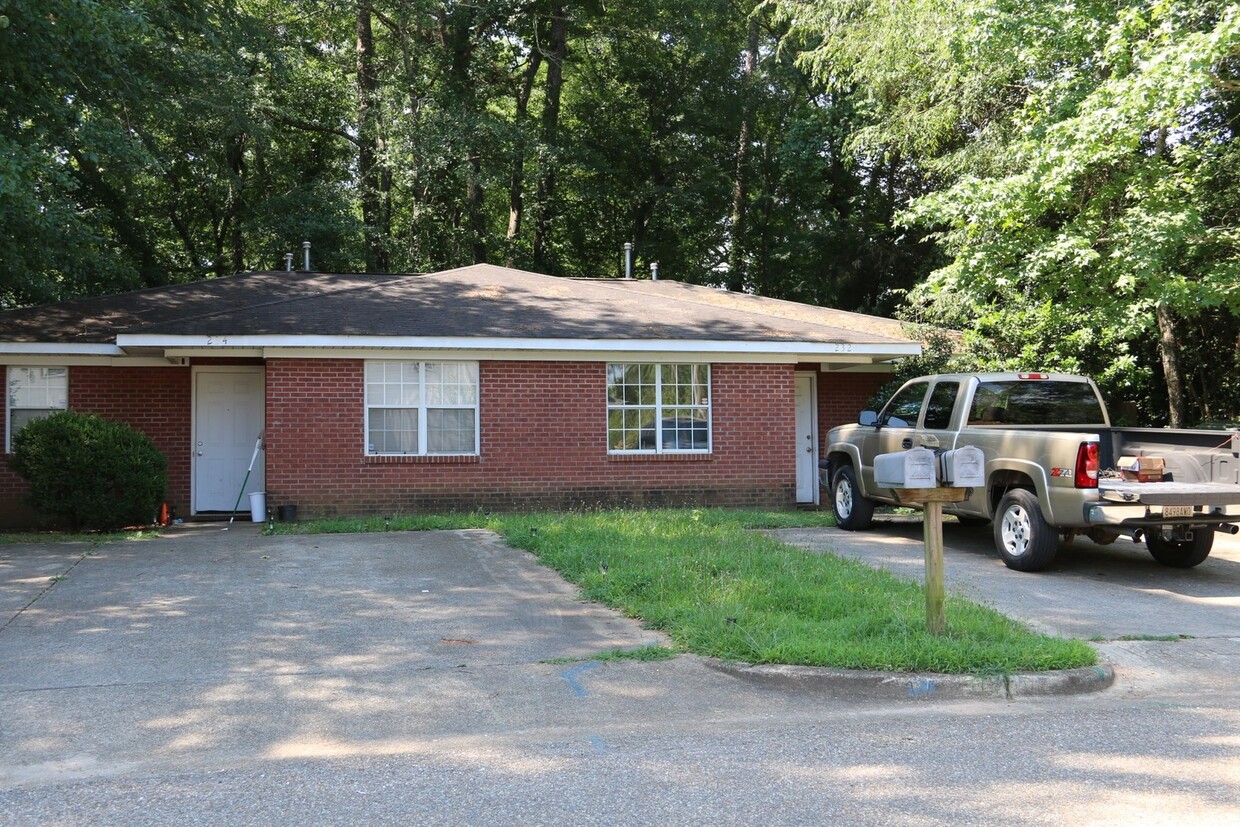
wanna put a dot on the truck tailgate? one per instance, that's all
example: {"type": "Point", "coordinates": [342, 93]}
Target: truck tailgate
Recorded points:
{"type": "Point", "coordinates": [1169, 493]}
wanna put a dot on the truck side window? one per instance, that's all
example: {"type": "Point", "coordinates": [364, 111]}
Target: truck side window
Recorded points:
{"type": "Point", "coordinates": [902, 410]}
{"type": "Point", "coordinates": [939, 408]}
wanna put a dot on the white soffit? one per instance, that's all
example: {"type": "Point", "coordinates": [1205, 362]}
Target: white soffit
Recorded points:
{"type": "Point", "coordinates": [274, 345]}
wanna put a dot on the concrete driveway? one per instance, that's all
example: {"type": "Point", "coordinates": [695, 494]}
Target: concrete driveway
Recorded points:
{"type": "Point", "coordinates": [225, 678]}
{"type": "Point", "coordinates": [222, 646]}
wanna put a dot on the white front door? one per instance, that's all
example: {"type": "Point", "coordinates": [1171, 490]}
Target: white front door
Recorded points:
{"type": "Point", "coordinates": [807, 441]}
{"type": "Point", "coordinates": [228, 419]}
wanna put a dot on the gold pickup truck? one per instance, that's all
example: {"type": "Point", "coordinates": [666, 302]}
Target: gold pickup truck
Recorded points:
{"type": "Point", "coordinates": [1053, 467]}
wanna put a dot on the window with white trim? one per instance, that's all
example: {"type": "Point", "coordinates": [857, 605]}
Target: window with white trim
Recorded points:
{"type": "Point", "coordinates": [421, 408]}
{"type": "Point", "coordinates": [658, 408]}
{"type": "Point", "coordinates": [33, 393]}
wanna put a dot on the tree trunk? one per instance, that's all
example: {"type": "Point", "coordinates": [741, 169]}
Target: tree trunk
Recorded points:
{"type": "Point", "coordinates": [736, 251]}
{"type": "Point", "coordinates": [235, 153]}
{"type": "Point", "coordinates": [473, 196]}
{"type": "Point", "coordinates": [516, 187]}
{"type": "Point", "coordinates": [557, 45]}
{"type": "Point", "coordinates": [1169, 350]}
{"type": "Point", "coordinates": [95, 189]}
{"type": "Point", "coordinates": [376, 224]}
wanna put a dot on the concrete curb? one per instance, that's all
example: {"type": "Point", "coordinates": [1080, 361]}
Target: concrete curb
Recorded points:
{"type": "Point", "coordinates": [857, 685]}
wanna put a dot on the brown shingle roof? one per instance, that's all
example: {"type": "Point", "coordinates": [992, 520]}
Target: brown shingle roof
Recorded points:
{"type": "Point", "coordinates": [480, 301]}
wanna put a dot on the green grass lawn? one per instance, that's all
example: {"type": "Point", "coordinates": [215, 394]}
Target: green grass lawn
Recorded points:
{"type": "Point", "coordinates": [718, 588]}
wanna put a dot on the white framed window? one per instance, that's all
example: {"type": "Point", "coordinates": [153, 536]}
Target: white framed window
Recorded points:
{"type": "Point", "coordinates": [658, 408]}
{"type": "Point", "coordinates": [421, 408]}
{"type": "Point", "coordinates": [33, 393]}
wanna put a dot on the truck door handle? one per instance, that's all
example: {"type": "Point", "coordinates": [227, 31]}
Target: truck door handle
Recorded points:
{"type": "Point", "coordinates": [907, 442]}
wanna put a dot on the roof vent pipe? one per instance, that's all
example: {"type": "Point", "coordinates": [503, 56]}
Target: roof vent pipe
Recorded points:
{"type": "Point", "coordinates": [654, 271]}
{"type": "Point", "coordinates": [628, 259]}
{"type": "Point", "coordinates": [305, 249]}
{"type": "Point", "coordinates": [288, 262]}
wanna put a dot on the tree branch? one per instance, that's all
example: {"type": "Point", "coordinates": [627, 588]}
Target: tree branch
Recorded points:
{"type": "Point", "coordinates": [308, 126]}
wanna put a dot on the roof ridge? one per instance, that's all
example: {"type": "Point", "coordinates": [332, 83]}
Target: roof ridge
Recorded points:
{"type": "Point", "coordinates": [111, 296]}
{"type": "Point", "coordinates": [291, 299]}
{"type": "Point", "coordinates": [695, 287]}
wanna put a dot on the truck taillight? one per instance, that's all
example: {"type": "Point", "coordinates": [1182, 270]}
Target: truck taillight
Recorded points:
{"type": "Point", "coordinates": [1035, 376]}
{"type": "Point", "coordinates": [1087, 465]}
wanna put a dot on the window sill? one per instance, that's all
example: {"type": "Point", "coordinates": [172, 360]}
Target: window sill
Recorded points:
{"type": "Point", "coordinates": [660, 457]}
{"type": "Point", "coordinates": [416, 459]}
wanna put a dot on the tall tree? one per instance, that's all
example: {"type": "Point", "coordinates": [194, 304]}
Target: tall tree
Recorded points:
{"type": "Point", "coordinates": [1081, 147]}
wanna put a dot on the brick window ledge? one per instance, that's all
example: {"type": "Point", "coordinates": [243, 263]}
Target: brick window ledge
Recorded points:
{"type": "Point", "coordinates": [430, 459]}
{"type": "Point", "coordinates": [660, 457]}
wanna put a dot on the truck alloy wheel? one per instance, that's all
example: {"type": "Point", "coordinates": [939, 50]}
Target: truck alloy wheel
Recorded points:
{"type": "Point", "coordinates": [1023, 537]}
{"type": "Point", "coordinates": [853, 512]}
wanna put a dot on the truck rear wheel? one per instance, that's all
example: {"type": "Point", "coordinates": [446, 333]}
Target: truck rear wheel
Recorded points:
{"type": "Point", "coordinates": [1023, 537]}
{"type": "Point", "coordinates": [853, 512]}
{"type": "Point", "coordinates": [1180, 554]}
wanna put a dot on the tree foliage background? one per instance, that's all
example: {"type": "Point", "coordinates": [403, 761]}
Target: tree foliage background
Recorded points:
{"type": "Point", "coordinates": [1058, 181]}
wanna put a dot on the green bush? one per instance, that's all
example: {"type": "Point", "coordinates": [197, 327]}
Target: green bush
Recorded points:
{"type": "Point", "coordinates": [90, 472]}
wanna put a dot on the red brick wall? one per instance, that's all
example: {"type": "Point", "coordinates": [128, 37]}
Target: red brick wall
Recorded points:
{"type": "Point", "coordinates": [543, 439]}
{"type": "Point", "coordinates": [155, 401]}
{"type": "Point", "coordinates": [543, 444]}
{"type": "Point", "coordinates": [841, 396]}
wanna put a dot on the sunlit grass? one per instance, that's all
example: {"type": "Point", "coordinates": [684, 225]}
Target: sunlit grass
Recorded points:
{"type": "Point", "coordinates": [718, 589]}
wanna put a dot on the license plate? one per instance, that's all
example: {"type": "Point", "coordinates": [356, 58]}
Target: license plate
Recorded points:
{"type": "Point", "coordinates": [1177, 511]}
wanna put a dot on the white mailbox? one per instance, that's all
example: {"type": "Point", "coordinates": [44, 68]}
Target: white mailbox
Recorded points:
{"type": "Point", "coordinates": [913, 468]}
{"type": "Point", "coordinates": [965, 467]}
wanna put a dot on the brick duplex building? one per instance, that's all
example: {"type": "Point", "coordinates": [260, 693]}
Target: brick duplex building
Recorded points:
{"type": "Point", "coordinates": [481, 387]}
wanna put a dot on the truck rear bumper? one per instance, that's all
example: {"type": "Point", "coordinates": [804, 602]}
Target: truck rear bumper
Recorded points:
{"type": "Point", "coordinates": [1136, 516]}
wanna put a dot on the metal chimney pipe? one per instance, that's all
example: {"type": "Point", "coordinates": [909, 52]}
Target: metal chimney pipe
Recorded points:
{"type": "Point", "coordinates": [628, 259]}
{"type": "Point", "coordinates": [288, 262]}
{"type": "Point", "coordinates": [654, 271]}
{"type": "Point", "coordinates": [305, 248]}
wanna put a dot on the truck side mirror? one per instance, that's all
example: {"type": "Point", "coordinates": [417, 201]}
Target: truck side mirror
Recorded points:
{"type": "Point", "coordinates": [868, 418]}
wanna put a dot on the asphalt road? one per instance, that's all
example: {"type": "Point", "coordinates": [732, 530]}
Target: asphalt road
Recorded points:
{"type": "Point", "coordinates": [227, 678]}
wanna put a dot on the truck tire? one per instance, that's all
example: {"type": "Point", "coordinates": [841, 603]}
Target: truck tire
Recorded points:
{"type": "Point", "coordinates": [1023, 537]}
{"type": "Point", "coordinates": [853, 512]}
{"type": "Point", "coordinates": [1180, 554]}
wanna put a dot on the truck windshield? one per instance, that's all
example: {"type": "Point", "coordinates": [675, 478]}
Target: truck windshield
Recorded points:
{"type": "Point", "coordinates": [1036, 402]}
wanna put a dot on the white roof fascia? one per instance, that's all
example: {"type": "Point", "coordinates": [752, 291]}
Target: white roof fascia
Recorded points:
{"type": "Point", "coordinates": [59, 349]}
{"type": "Point", "coordinates": [821, 351]}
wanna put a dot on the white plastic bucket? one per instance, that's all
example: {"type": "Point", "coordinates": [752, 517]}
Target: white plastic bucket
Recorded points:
{"type": "Point", "coordinates": [258, 506]}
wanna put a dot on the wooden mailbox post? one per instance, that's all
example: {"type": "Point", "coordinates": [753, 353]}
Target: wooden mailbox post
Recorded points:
{"type": "Point", "coordinates": [921, 477]}
{"type": "Point", "coordinates": [931, 501]}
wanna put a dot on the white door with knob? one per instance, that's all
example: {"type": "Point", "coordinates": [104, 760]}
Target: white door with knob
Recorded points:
{"type": "Point", "coordinates": [228, 418]}
{"type": "Point", "coordinates": [807, 438]}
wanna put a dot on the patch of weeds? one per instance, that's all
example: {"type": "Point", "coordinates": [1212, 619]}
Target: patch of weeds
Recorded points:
{"type": "Point", "coordinates": [644, 653]}
{"type": "Point", "coordinates": [720, 590]}
{"type": "Point", "coordinates": [1155, 637]}
{"type": "Point", "coordinates": [368, 525]}
{"type": "Point", "coordinates": [97, 539]}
